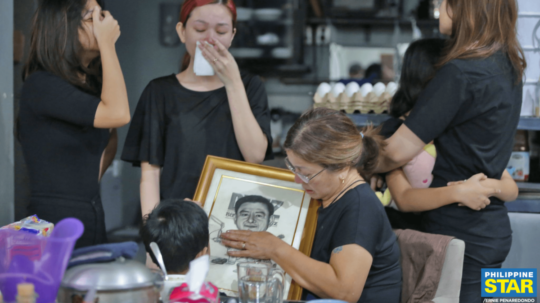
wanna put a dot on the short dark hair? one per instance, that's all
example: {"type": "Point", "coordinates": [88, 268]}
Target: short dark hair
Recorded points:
{"type": "Point", "coordinates": [253, 199]}
{"type": "Point", "coordinates": [180, 229]}
{"type": "Point", "coordinates": [418, 68]}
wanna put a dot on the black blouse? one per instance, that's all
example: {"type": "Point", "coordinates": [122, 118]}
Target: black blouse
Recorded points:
{"type": "Point", "coordinates": [176, 128]}
{"type": "Point", "coordinates": [358, 217]}
{"type": "Point", "coordinates": [61, 146]}
{"type": "Point", "coordinates": [471, 109]}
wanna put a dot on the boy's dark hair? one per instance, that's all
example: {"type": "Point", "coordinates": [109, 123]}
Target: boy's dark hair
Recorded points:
{"type": "Point", "coordinates": [418, 68]}
{"type": "Point", "coordinates": [255, 199]}
{"type": "Point", "coordinates": [180, 229]}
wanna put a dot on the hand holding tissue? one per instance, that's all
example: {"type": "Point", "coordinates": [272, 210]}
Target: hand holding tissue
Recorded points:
{"type": "Point", "coordinates": [201, 67]}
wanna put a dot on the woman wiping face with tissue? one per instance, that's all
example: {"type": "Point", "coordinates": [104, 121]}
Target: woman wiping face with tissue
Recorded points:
{"type": "Point", "coordinates": [209, 108]}
{"type": "Point", "coordinates": [207, 28]}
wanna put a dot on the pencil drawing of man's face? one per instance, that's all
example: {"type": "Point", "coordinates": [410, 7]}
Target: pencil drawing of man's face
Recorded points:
{"type": "Point", "coordinates": [254, 216]}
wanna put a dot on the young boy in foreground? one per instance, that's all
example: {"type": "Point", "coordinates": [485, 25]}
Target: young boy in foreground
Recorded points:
{"type": "Point", "coordinates": [180, 229]}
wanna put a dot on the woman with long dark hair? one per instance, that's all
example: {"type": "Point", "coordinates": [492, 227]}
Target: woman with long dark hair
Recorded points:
{"type": "Point", "coordinates": [182, 118]}
{"type": "Point", "coordinates": [73, 98]}
{"type": "Point", "coordinates": [470, 109]}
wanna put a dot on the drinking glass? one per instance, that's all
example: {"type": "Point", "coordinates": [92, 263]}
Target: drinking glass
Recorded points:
{"type": "Point", "coordinates": [259, 282]}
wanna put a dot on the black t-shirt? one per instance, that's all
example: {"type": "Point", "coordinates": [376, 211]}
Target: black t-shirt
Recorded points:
{"type": "Point", "coordinates": [471, 110]}
{"type": "Point", "coordinates": [61, 147]}
{"type": "Point", "coordinates": [358, 217]}
{"type": "Point", "coordinates": [176, 128]}
{"type": "Point", "coordinates": [390, 126]}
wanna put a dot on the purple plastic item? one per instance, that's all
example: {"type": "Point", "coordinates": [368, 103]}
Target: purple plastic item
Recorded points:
{"type": "Point", "coordinates": [25, 257]}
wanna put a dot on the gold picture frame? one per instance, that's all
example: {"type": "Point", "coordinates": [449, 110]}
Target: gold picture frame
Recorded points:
{"type": "Point", "coordinates": [233, 167]}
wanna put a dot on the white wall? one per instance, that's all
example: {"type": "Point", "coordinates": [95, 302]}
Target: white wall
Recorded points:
{"type": "Point", "coordinates": [7, 187]}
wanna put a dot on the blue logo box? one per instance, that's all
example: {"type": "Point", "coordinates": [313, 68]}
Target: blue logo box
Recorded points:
{"type": "Point", "coordinates": [509, 282]}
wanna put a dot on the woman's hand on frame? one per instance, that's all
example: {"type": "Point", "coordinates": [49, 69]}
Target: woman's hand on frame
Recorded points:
{"type": "Point", "coordinates": [221, 60]}
{"type": "Point", "coordinates": [257, 245]}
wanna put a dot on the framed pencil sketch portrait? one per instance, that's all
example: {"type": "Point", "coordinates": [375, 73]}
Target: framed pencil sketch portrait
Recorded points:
{"type": "Point", "coordinates": [245, 196]}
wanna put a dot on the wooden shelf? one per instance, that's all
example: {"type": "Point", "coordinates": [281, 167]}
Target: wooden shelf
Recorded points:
{"type": "Point", "coordinates": [523, 206]}
{"type": "Point", "coordinates": [529, 123]}
{"type": "Point", "coordinates": [525, 123]}
{"type": "Point", "coordinates": [529, 187]}
{"type": "Point", "coordinates": [371, 21]}
{"type": "Point", "coordinates": [366, 119]}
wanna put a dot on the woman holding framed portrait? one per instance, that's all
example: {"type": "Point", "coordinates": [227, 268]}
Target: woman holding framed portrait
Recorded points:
{"type": "Point", "coordinates": [355, 254]}
{"type": "Point", "coordinates": [182, 118]}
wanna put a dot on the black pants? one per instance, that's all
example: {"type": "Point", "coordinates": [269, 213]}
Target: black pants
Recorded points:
{"type": "Point", "coordinates": [487, 235]}
{"type": "Point", "coordinates": [54, 208]}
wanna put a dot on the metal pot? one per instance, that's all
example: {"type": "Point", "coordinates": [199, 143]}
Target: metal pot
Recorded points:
{"type": "Point", "coordinates": [125, 281]}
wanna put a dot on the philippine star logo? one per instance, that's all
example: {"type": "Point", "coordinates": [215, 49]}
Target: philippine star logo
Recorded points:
{"type": "Point", "coordinates": [509, 285]}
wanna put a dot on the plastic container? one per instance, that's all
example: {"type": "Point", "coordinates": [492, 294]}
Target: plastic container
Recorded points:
{"type": "Point", "coordinates": [519, 163]}
{"type": "Point", "coordinates": [25, 257]}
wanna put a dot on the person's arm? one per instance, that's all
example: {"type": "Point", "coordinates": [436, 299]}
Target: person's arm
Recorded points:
{"type": "Point", "coordinates": [509, 190]}
{"type": "Point", "coordinates": [471, 193]}
{"type": "Point", "coordinates": [149, 187]}
{"type": "Point", "coordinates": [249, 135]}
{"type": "Point", "coordinates": [436, 108]}
{"type": "Point", "coordinates": [113, 110]}
{"type": "Point", "coordinates": [401, 147]}
{"type": "Point", "coordinates": [109, 153]}
{"type": "Point", "coordinates": [343, 278]}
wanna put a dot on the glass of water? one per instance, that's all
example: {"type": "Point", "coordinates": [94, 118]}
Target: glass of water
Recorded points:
{"type": "Point", "coordinates": [257, 283]}
{"type": "Point", "coordinates": [253, 289]}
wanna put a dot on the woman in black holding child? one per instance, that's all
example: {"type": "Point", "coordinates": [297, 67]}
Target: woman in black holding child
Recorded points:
{"type": "Point", "coordinates": [418, 68]}
{"type": "Point", "coordinates": [73, 98]}
{"type": "Point", "coordinates": [471, 110]}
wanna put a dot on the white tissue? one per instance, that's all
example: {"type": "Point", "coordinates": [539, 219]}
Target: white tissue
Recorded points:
{"type": "Point", "coordinates": [201, 67]}
{"type": "Point", "coordinates": [198, 269]}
